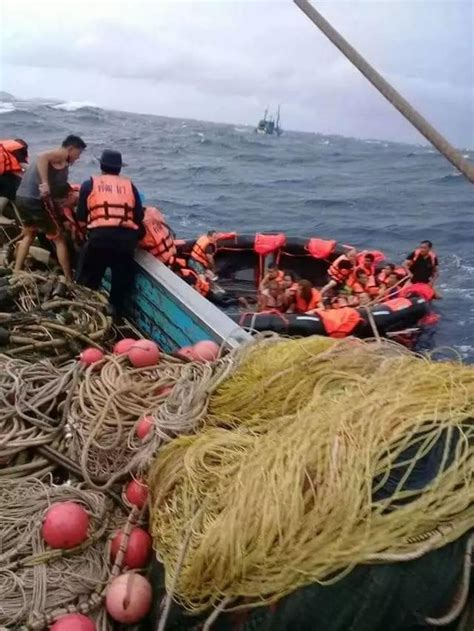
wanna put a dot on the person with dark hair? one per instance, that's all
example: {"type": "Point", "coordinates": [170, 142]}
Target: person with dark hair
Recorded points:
{"type": "Point", "coordinates": [387, 269]}
{"type": "Point", "coordinates": [202, 255]}
{"type": "Point", "coordinates": [13, 155]}
{"type": "Point", "coordinates": [38, 196]}
{"type": "Point", "coordinates": [111, 208]}
{"type": "Point", "coordinates": [422, 264]}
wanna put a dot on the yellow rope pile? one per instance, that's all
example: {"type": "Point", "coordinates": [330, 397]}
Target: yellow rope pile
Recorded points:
{"type": "Point", "coordinates": [284, 485]}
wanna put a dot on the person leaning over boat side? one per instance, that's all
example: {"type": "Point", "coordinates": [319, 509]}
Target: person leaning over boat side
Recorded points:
{"type": "Point", "coordinates": [202, 254]}
{"type": "Point", "coordinates": [158, 239]}
{"type": "Point", "coordinates": [13, 155]}
{"type": "Point", "coordinates": [37, 199]}
{"type": "Point", "coordinates": [110, 206]}
{"type": "Point", "coordinates": [422, 264]}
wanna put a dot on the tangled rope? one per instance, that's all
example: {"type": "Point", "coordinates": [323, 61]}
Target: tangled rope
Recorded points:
{"type": "Point", "coordinates": [33, 402]}
{"type": "Point", "coordinates": [314, 458]}
{"type": "Point", "coordinates": [42, 316]}
{"type": "Point", "coordinates": [112, 397]}
{"type": "Point", "coordinates": [38, 584]}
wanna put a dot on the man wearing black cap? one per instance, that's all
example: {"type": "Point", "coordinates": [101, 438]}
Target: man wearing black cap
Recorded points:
{"type": "Point", "coordinates": [110, 207]}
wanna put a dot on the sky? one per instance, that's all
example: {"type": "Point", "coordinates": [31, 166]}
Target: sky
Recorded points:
{"type": "Point", "coordinates": [227, 60]}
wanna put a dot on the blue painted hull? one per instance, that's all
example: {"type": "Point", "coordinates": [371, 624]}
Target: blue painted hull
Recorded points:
{"type": "Point", "coordinates": [164, 308]}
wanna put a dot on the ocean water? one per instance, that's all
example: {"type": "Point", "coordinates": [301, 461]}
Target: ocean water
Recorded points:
{"type": "Point", "coordinates": [368, 193]}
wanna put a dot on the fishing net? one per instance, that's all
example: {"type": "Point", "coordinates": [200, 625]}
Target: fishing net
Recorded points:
{"type": "Point", "coordinates": [38, 583]}
{"type": "Point", "coordinates": [110, 400]}
{"type": "Point", "coordinates": [33, 397]}
{"type": "Point", "coordinates": [315, 456]}
{"type": "Point", "coordinates": [43, 316]}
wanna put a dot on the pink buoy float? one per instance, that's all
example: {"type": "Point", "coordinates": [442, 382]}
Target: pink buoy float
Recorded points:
{"type": "Point", "coordinates": [136, 493]}
{"type": "Point", "coordinates": [138, 550]}
{"type": "Point", "coordinates": [186, 352]}
{"type": "Point", "coordinates": [74, 622]}
{"type": "Point", "coordinates": [144, 426]}
{"type": "Point", "coordinates": [128, 598]}
{"type": "Point", "coordinates": [144, 353]}
{"type": "Point", "coordinates": [91, 356]}
{"type": "Point", "coordinates": [206, 351]}
{"type": "Point", "coordinates": [65, 525]}
{"type": "Point", "coordinates": [123, 346]}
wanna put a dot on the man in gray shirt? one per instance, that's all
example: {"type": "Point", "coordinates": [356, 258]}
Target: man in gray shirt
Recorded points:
{"type": "Point", "coordinates": [38, 195]}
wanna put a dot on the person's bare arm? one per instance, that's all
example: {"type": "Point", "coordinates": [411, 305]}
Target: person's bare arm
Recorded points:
{"type": "Point", "coordinates": [327, 287]}
{"type": "Point", "coordinates": [44, 160]}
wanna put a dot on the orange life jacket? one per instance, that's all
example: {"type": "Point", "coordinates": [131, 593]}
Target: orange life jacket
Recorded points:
{"type": "Point", "coordinates": [339, 275]}
{"type": "Point", "coordinates": [111, 203]}
{"type": "Point", "coordinates": [8, 162]}
{"type": "Point", "coordinates": [198, 253]}
{"type": "Point", "coordinates": [158, 239]}
{"type": "Point", "coordinates": [302, 306]}
{"type": "Point", "coordinates": [431, 256]}
{"type": "Point", "coordinates": [339, 322]}
{"type": "Point", "coordinates": [199, 283]}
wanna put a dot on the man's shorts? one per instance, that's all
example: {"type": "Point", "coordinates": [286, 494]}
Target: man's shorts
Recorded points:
{"type": "Point", "coordinates": [34, 214]}
{"type": "Point", "coordinates": [9, 183]}
{"type": "Point", "coordinates": [196, 266]}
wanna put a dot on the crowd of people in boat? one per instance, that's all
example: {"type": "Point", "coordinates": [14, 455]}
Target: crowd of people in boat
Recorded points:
{"type": "Point", "coordinates": [98, 225]}
{"type": "Point", "coordinates": [354, 281]}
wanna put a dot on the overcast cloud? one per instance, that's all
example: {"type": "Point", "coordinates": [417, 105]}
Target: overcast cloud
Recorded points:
{"type": "Point", "coordinates": [227, 60]}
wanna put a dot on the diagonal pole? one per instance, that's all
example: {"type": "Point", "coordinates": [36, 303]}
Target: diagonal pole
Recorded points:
{"type": "Point", "coordinates": [394, 97]}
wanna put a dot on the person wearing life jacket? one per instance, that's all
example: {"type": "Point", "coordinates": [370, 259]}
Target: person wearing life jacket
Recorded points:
{"type": "Point", "coordinates": [359, 288]}
{"type": "Point", "coordinates": [422, 264]}
{"type": "Point", "coordinates": [307, 298]}
{"type": "Point", "coordinates": [110, 206]}
{"type": "Point", "coordinates": [38, 200]}
{"type": "Point", "coordinates": [367, 265]}
{"type": "Point", "coordinates": [202, 254]}
{"type": "Point", "coordinates": [290, 287]}
{"type": "Point", "coordinates": [158, 239]}
{"type": "Point", "coordinates": [198, 281]}
{"type": "Point", "coordinates": [390, 288]}
{"type": "Point", "coordinates": [272, 298]}
{"type": "Point", "coordinates": [13, 155]}
{"type": "Point", "coordinates": [272, 274]}
{"type": "Point", "coordinates": [387, 269]}
{"type": "Point", "coordinates": [339, 274]}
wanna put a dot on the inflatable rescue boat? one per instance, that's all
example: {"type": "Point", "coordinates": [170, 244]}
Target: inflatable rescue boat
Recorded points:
{"type": "Point", "coordinates": [241, 261]}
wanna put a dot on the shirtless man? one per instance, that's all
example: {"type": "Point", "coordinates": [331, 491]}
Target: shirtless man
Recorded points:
{"type": "Point", "coordinates": [37, 198]}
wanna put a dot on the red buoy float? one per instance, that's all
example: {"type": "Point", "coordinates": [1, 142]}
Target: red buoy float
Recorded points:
{"type": "Point", "coordinates": [136, 493]}
{"type": "Point", "coordinates": [65, 525]}
{"type": "Point", "coordinates": [123, 346]}
{"type": "Point", "coordinates": [144, 353]}
{"type": "Point", "coordinates": [74, 622]}
{"type": "Point", "coordinates": [144, 426]}
{"type": "Point", "coordinates": [91, 356]}
{"type": "Point", "coordinates": [206, 351]}
{"type": "Point", "coordinates": [128, 598]}
{"type": "Point", "coordinates": [186, 352]}
{"type": "Point", "coordinates": [137, 553]}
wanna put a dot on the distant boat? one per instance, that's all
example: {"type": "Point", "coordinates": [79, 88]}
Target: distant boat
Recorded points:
{"type": "Point", "coordinates": [268, 125]}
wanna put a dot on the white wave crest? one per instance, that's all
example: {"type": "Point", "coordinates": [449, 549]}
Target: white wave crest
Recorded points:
{"type": "Point", "coordinates": [6, 107]}
{"type": "Point", "coordinates": [73, 106]}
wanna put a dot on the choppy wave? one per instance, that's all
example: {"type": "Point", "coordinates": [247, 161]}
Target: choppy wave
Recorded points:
{"type": "Point", "coordinates": [74, 106]}
{"type": "Point", "coordinates": [229, 178]}
{"type": "Point", "coordinates": [6, 107]}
